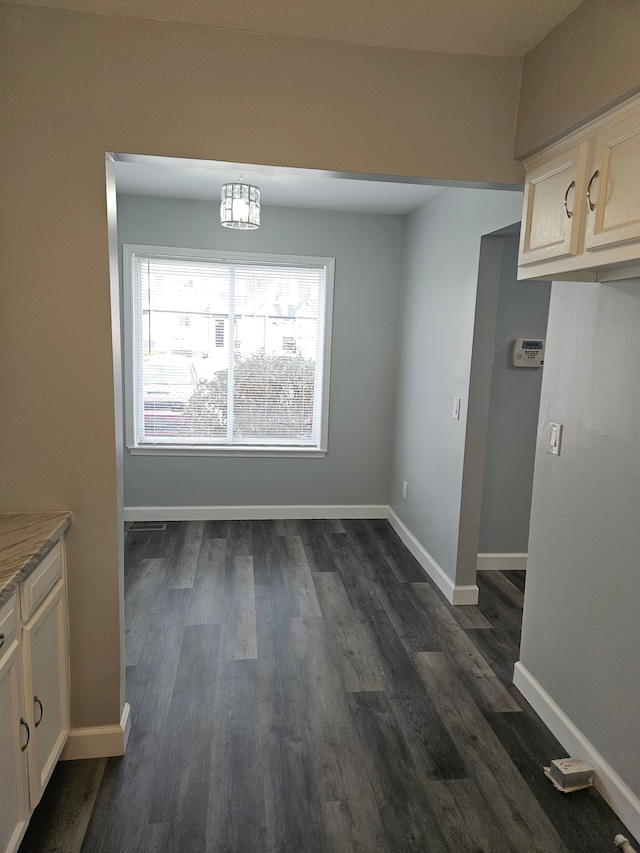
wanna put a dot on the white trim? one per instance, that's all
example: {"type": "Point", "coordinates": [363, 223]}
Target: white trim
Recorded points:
{"type": "Point", "coordinates": [243, 513]}
{"type": "Point", "coordinates": [501, 562]}
{"type": "Point", "coordinates": [455, 594]}
{"type": "Point", "coordinates": [616, 792]}
{"type": "Point", "coordinates": [99, 741]}
{"type": "Point", "coordinates": [232, 450]}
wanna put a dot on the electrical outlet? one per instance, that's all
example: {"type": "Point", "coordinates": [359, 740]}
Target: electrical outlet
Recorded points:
{"type": "Point", "coordinates": [405, 489]}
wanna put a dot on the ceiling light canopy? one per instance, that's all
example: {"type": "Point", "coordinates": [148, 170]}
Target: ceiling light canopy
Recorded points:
{"type": "Point", "coordinates": [240, 206]}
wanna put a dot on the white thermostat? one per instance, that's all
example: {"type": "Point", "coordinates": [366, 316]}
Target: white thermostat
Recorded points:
{"type": "Point", "coordinates": [528, 352]}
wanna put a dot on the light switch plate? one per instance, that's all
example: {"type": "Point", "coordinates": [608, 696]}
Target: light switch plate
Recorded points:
{"type": "Point", "coordinates": [456, 408]}
{"type": "Point", "coordinates": [554, 439]}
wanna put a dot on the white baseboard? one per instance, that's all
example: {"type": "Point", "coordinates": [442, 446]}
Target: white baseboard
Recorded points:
{"type": "Point", "coordinates": [618, 794]}
{"type": "Point", "coordinates": [501, 562]}
{"type": "Point", "coordinates": [99, 741]}
{"type": "Point", "coordinates": [454, 594]}
{"type": "Point", "coordinates": [227, 513]}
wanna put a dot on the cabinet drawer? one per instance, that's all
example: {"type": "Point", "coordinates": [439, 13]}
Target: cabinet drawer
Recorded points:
{"type": "Point", "coordinates": [8, 624]}
{"type": "Point", "coordinates": [35, 588]}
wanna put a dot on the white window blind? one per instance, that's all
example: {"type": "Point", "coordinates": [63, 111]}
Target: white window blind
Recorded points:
{"type": "Point", "coordinates": [228, 352]}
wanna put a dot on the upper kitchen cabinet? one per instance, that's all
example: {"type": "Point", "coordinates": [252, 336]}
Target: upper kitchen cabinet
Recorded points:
{"type": "Point", "coordinates": [552, 218]}
{"type": "Point", "coordinates": [613, 191]}
{"type": "Point", "coordinates": [581, 217]}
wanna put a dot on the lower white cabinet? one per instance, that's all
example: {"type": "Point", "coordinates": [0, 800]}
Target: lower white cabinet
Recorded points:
{"type": "Point", "coordinates": [14, 737]}
{"type": "Point", "coordinates": [34, 693]}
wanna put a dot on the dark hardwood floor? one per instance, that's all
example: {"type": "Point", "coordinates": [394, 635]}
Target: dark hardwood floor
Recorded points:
{"type": "Point", "coordinates": [301, 686]}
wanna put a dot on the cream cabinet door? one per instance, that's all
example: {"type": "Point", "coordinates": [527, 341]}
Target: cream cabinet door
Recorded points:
{"type": "Point", "coordinates": [553, 207]}
{"type": "Point", "coordinates": [46, 688]}
{"type": "Point", "coordinates": [14, 737]}
{"type": "Point", "coordinates": [613, 201]}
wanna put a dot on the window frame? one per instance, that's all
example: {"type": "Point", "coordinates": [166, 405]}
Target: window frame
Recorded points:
{"type": "Point", "coordinates": [132, 332]}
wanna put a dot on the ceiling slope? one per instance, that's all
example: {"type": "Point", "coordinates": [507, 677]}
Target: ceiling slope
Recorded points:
{"type": "Point", "coordinates": [489, 27]}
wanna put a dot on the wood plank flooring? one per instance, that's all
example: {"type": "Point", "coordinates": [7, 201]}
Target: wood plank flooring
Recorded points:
{"type": "Point", "coordinates": [301, 686]}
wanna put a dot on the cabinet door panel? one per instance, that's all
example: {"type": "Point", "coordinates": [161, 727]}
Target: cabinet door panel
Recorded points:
{"type": "Point", "coordinates": [46, 688]}
{"type": "Point", "coordinates": [14, 795]}
{"type": "Point", "coordinates": [615, 190]}
{"type": "Point", "coordinates": [551, 228]}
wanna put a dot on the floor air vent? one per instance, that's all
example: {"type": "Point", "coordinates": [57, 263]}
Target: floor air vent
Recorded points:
{"type": "Point", "coordinates": [135, 526]}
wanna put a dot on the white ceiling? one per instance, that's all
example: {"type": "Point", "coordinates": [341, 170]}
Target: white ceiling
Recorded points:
{"type": "Point", "coordinates": [490, 27]}
{"type": "Point", "coordinates": [278, 187]}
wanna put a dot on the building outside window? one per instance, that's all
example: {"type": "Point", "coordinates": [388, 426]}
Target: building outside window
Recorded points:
{"type": "Point", "coordinates": [219, 333]}
{"type": "Point", "coordinates": [288, 344]}
{"type": "Point", "coordinates": [246, 369]}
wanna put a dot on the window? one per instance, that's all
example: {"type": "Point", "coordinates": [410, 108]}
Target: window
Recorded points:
{"type": "Point", "coordinates": [245, 370]}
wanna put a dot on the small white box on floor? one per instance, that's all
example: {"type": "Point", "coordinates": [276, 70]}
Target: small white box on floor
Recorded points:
{"type": "Point", "coordinates": [570, 774]}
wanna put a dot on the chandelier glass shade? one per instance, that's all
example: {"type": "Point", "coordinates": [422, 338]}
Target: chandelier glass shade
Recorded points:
{"type": "Point", "coordinates": [240, 206]}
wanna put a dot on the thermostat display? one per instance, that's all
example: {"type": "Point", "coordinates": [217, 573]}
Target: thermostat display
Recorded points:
{"type": "Point", "coordinates": [528, 352]}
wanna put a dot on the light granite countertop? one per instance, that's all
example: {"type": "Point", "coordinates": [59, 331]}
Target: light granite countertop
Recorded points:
{"type": "Point", "coordinates": [25, 538]}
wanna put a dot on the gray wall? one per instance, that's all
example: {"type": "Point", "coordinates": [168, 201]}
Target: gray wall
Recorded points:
{"type": "Point", "coordinates": [523, 308]}
{"type": "Point", "coordinates": [440, 284]}
{"type": "Point", "coordinates": [367, 249]}
{"type": "Point", "coordinates": [580, 631]}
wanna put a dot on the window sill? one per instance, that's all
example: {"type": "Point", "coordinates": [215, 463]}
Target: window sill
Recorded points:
{"type": "Point", "coordinates": [194, 450]}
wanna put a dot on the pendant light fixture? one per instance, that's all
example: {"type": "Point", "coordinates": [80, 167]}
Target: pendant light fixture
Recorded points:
{"type": "Point", "coordinates": [240, 206]}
